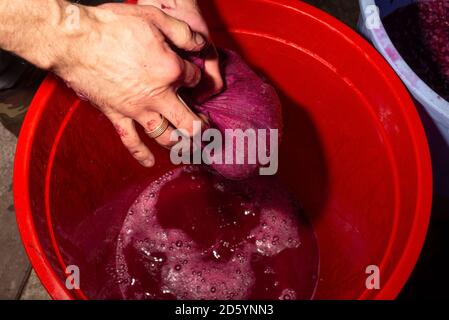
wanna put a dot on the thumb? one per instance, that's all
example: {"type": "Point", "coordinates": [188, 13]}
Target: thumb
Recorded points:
{"type": "Point", "coordinates": [178, 32]}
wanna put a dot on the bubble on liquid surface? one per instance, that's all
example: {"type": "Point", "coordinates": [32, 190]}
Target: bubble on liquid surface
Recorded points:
{"type": "Point", "coordinates": [210, 243]}
{"type": "Point", "coordinates": [288, 294]}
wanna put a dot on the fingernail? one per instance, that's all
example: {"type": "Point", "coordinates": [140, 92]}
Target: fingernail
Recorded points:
{"type": "Point", "coordinates": [206, 122]}
{"type": "Point", "coordinates": [148, 163]}
{"type": "Point", "coordinates": [199, 39]}
{"type": "Point", "coordinates": [203, 117]}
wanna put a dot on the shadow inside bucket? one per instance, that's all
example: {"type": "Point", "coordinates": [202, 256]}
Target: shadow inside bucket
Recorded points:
{"type": "Point", "coordinates": [302, 164]}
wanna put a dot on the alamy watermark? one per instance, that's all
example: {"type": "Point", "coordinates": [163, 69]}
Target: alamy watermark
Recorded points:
{"type": "Point", "coordinates": [234, 147]}
{"type": "Point", "coordinates": [372, 282]}
{"type": "Point", "coordinates": [72, 281]}
{"type": "Point", "coordinates": [372, 21]}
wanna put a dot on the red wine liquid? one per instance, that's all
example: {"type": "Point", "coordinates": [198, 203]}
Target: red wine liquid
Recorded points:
{"type": "Point", "coordinates": [195, 235]}
{"type": "Point", "coordinates": [420, 33]}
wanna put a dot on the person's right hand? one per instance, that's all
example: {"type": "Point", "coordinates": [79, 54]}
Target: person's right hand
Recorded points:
{"type": "Point", "coordinates": [189, 12]}
{"type": "Point", "coordinates": [121, 61]}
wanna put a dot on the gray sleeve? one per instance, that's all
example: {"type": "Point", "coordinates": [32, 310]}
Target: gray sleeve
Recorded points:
{"type": "Point", "coordinates": [11, 69]}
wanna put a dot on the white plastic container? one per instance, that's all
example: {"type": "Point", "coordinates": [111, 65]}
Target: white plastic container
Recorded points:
{"type": "Point", "coordinates": [434, 110]}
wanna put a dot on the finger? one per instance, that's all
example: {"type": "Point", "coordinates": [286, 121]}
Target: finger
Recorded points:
{"type": "Point", "coordinates": [205, 119]}
{"type": "Point", "coordinates": [173, 108]}
{"type": "Point", "coordinates": [211, 80]}
{"type": "Point", "coordinates": [156, 3]}
{"type": "Point", "coordinates": [190, 74]}
{"type": "Point", "coordinates": [131, 140]}
{"type": "Point", "coordinates": [186, 11]}
{"type": "Point", "coordinates": [212, 67]}
{"type": "Point", "coordinates": [178, 32]}
{"type": "Point", "coordinates": [150, 121]}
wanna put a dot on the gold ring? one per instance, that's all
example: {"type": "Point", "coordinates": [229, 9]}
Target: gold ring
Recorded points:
{"type": "Point", "coordinates": [161, 128]}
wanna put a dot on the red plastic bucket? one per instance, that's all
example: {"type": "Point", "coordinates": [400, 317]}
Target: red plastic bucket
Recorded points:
{"type": "Point", "coordinates": [354, 153]}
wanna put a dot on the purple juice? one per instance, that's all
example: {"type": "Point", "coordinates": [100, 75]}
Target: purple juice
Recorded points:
{"type": "Point", "coordinates": [420, 32]}
{"type": "Point", "coordinates": [193, 234]}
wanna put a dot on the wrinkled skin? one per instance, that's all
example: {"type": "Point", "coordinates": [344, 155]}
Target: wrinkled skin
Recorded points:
{"type": "Point", "coordinates": [189, 12]}
{"type": "Point", "coordinates": [126, 67]}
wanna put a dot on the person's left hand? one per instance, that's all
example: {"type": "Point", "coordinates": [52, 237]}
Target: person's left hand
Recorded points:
{"type": "Point", "coordinates": [189, 12]}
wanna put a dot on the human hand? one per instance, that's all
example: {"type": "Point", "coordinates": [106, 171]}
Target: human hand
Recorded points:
{"type": "Point", "coordinates": [189, 12]}
{"type": "Point", "coordinates": [121, 61]}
